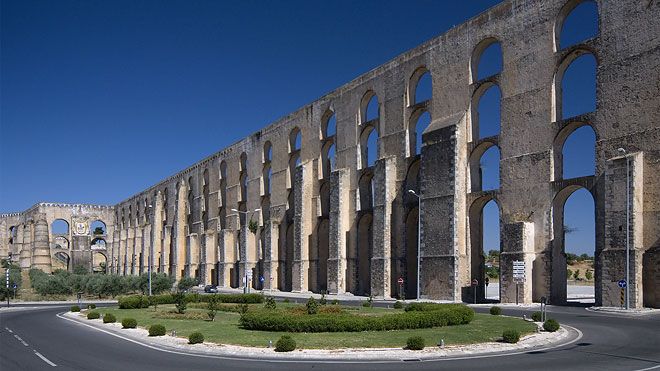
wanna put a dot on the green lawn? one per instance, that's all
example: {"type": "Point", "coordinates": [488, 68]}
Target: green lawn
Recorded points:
{"type": "Point", "coordinates": [225, 330]}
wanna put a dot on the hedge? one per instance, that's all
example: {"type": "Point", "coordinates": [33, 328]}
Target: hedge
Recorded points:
{"type": "Point", "coordinates": [75, 308]}
{"type": "Point", "coordinates": [284, 321]}
{"type": "Point", "coordinates": [140, 301]}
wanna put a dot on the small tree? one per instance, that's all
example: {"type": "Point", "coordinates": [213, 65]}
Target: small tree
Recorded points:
{"type": "Point", "coordinates": [576, 274]}
{"type": "Point", "coordinates": [312, 306]}
{"type": "Point", "coordinates": [180, 302]}
{"type": "Point", "coordinates": [569, 273]}
{"type": "Point", "coordinates": [212, 307]}
{"type": "Point", "coordinates": [588, 275]}
{"type": "Point", "coordinates": [253, 226]}
{"type": "Point", "coordinates": [99, 231]}
{"type": "Point", "coordinates": [186, 283]}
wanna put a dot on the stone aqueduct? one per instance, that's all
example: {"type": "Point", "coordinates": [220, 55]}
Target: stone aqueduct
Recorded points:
{"type": "Point", "coordinates": [332, 219]}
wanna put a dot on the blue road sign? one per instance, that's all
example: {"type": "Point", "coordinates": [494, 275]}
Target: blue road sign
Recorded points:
{"type": "Point", "coordinates": [261, 278]}
{"type": "Point", "coordinates": [622, 284]}
{"type": "Point", "coordinates": [15, 286]}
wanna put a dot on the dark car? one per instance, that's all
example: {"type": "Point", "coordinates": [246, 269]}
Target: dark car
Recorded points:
{"type": "Point", "coordinates": [211, 288]}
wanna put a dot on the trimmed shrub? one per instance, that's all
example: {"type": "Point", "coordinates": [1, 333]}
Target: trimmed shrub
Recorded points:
{"type": "Point", "coordinates": [91, 306]}
{"type": "Point", "coordinates": [270, 303]}
{"type": "Point", "coordinates": [415, 343]}
{"type": "Point", "coordinates": [537, 316]}
{"type": "Point", "coordinates": [398, 305]}
{"type": "Point", "coordinates": [128, 323]}
{"type": "Point", "coordinates": [157, 330]}
{"type": "Point", "coordinates": [551, 325]}
{"type": "Point", "coordinates": [495, 310]}
{"type": "Point", "coordinates": [109, 318]}
{"type": "Point", "coordinates": [510, 336]}
{"type": "Point", "coordinates": [93, 315]}
{"type": "Point", "coordinates": [312, 306]}
{"type": "Point", "coordinates": [133, 302]}
{"type": "Point", "coordinates": [196, 338]}
{"type": "Point", "coordinates": [75, 308]}
{"type": "Point", "coordinates": [285, 344]}
{"type": "Point", "coordinates": [294, 321]}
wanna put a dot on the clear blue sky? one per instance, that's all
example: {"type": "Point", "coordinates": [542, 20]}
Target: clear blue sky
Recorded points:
{"type": "Point", "coordinates": [102, 99]}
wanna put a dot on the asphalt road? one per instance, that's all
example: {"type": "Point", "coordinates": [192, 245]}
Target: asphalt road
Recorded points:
{"type": "Point", "coordinates": [36, 339]}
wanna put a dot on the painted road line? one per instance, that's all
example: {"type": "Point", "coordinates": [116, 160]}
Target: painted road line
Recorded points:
{"type": "Point", "coordinates": [21, 340]}
{"type": "Point", "coordinates": [44, 358]}
{"type": "Point", "coordinates": [10, 331]}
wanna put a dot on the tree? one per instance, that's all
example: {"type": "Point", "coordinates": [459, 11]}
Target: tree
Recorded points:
{"type": "Point", "coordinates": [99, 230]}
{"type": "Point", "coordinates": [588, 275]}
{"type": "Point", "coordinates": [569, 273]}
{"type": "Point", "coordinates": [80, 269]}
{"type": "Point", "coordinates": [14, 279]}
{"type": "Point", "coordinates": [160, 282]}
{"type": "Point", "coordinates": [576, 274]}
{"type": "Point", "coordinates": [185, 283]}
{"type": "Point", "coordinates": [212, 306]}
{"type": "Point", "coordinates": [180, 301]}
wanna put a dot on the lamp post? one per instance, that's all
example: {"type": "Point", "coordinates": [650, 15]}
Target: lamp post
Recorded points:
{"type": "Point", "coordinates": [624, 153]}
{"type": "Point", "coordinates": [419, 236]}
{"type": "Point", "coordinates": [151, 246]}
{"type": "Point", "coordinates": [245, 265]}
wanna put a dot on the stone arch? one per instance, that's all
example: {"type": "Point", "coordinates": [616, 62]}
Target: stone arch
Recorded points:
{"type": "Point", "coordinates": [61, 260]}
{"type": "Point", "coordinates": [477, 167]}
{"type": "Point", "coordinates": [420, 86]}
{"type": "Point", "coordinates": [369, 107]}
{"type": "Point", "coordinates": [328, 125]}
{"type": "Point", "coordinates": [98, 228]}
{"type": "Point", "coordinates": [419, 121]}
{"type": "Point", "coordinates": [559, 146]}
{"type": "Point", "coordinates": [323, 244]}
{"type": "Point", "coordinates": [369, 143]}
{"type": "Point", "coordinates": [366, 191]}
{"type": "Point", "coordinates": [13, 231]}
{"type": "Point", "coordinates": [495, 47]}
{"type": "Point", "coordinates": [364, 253]}
{"type": "Point", "coordinates": [61, 242]}
{"type": "Point", "coordinates": [98, 243]}
{"type": "Point", "coordinates": [568, 11]}
{"type": "Point", "coordinates": [242, 177]}
{"type": "Point", "coordinates": [267, 154]}
{"type": "Point", "coordinates": [412, 181]}
{"type": "Point", "coordinates": [59, 226]}
{"type": "Point", "coordinates": [485, 111]}
{"type": "Point", "coordinates": [327, 159]}
{"type": "Point", "coordinates": [558, 289]}
{"type": "Point", "coordinates": [222, 196]}
{"type": "Point", "coordinates": [558, 81]}
{"type": "Point", "coordinates": [295, 140]}
{"type": "Point", "coordinates": [99, 262]}
{"type": "Point", "coordinates": [476, 245]}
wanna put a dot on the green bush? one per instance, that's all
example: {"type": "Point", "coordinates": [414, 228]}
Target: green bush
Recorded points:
{"type": "Point", "coordinates": [91, 306]}
{"type": "Point", "coordinates": [128, 323]}
{"type": "Point", "coordinates": [212, 307]}
{"type": "Point", "coordinates": [270, 303]}
{"type": "Point", "coordinates": [93, 315]}
{"type": "Point", "coordinates": [551, 325]}
{"type": "Point", "coordinates": [537, 316]}
{"type": "Point", "coordinates": [415, 343]}
{"type": "Point", "coordinates": [157, 330]}
{"type": "Point", "coordinates": [312, 306]}
{"type": "Point", "coordinates": [109, 318]}
{"type": "Point", "coordinates": [495, 310]}
{"type": "Point", "coordinates": [75, 308]}
{"type": "Point", "coordinates": [510, 336]}
{"type": "Point", "coordinates": [133, 302]}
{"type": "Point", "coordinates": [290, 321]}
{"type": "Point", "coordinates": [186, 283]}
{"type": "Point", "coordinates": [398, 305]}
{"type": "Point", "coordinates": [140, 301]}
{"type": "Point", "coordinates": [285, 344]}
{"type": "Point", "coordinates": [196, 338]}
{"type": "Point", "coordinates": [180, 302]}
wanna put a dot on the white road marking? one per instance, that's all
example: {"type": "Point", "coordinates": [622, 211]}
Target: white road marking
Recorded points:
{"type": "Point", "coordinates": [44, 359]}
{"type": "Point", "coordinates": [59, 315]}
{"type": "Point", "coordinates": [10, 331]}
{"type": "Point", "coordinates": [21, 340]}
{"type": "Point", "coordinates": [649, 368]}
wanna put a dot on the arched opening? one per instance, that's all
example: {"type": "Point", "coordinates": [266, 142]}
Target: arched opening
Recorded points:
{"type": "Point", "coordinates": [329, 125]}
{"type": "Point", "coordinates": [99, 262]}
{"type": "Point", "coordinates": [369, 146]}
{"type": "Point", "coordinates": [579, 153]}
{"type": "Point", "coordinates": [365, 248]}
{"type": "Point", "coordinates": [98, 228]}
{"type": "Point", "coordinates": [60, 242]}
{"type": "Point", "coordinates": [486, 60]}
{"type": "Point", "coordinates": [419, 122]}
{"type": "Point", "coordinates": [59, 226]}
{"type": "Point", "coordinates": [98, 244]}
{"type": "Point", "coordinates": [323, 234]}
{"type": "Point", "coordinates": [295, 140]}
{"type": "Point", "coordinates": [420, 86]}
{"type": "Point", "coordinates": [288, 263]}
{"type": "Point", "coordinates": [222, 197]}
{"type": "Point", "coordinates": [328, 160]}
{"type": "Point", "coordinates": [485, 119]}
{"type": "Point", "coordinates": [369, 109]}
{"type": "Point", "coordinates": [268, 152]}
{"type": "Point", "coordinates": [410, 281]}
{"type": "Point", "coordinates": [485, 250]}
{"type": "Point", "coordinates": [13, 231]}
{"type": "Point", "coordinates": [61, 260]}
{"type": "Point", "coordinates": [578, 86]}
{"type": "Point", "coordinates": [577, 22]}
{"type": "Point", "coordinates": [366, 192]}
{"type": "Point", "coordinates": [485, 168]}
{"type": "Point", "coordinates": [573, 269]}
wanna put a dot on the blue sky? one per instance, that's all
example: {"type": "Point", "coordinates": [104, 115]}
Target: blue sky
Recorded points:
{"type": "Point", "coordinates": [102, 99]}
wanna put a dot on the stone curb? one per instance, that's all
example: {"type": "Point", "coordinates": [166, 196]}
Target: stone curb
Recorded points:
{"type": "Point", "coordinates": [174, 344]}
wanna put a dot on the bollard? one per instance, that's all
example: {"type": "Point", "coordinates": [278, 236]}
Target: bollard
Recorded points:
{"type": "Point", "coordinates": [441, 344]}
{"type": "Point", "coordinates": [173, 333]}
{"type": "Point", "coordinates": [270, 343]}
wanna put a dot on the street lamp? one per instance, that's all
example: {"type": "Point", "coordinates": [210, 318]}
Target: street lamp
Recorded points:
{"type": "Point", "coordinates": [245, 288]}
{"type": "Point", "coordinates": [624, 153]}
{"type": "Point", "coordinates": [151, 247]}
{"type": "Point", "coordinates": [419, 236]}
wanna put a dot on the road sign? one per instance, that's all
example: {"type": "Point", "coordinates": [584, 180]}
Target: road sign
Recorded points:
{"type": "Point", "coordinates": [622, 284]}
{"type": "Point", "coordinates": [400, 280]}
{"type": "Point", "coordinates": [261, 279]}
{"type": "Point", "coordinates": [475, 282]}
{"type": "Point", "coordinates": [15, 286]}
{"type": "Point", "coordinates": [518, 270]}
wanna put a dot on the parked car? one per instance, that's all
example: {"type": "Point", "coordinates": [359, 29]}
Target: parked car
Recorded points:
{"type": "Point", "coordinates": [211, 288]}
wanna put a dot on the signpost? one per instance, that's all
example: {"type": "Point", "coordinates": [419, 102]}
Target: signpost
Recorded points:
{"type": "Point", "coordinates": [475, 283]}
{"type": "Point", "coordinates": [7, 278]}
{"type": "Point", "coordinates": [400, 281]}
{"type": "Point", "coordinates": [261, 280]}
{"type": "Point", "coordinates": [622, 285]}
{"type": "Point", "coordinates": [518, 275]}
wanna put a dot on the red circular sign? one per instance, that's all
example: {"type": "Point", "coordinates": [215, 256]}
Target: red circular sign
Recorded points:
{"type": "Point", "coordinates": [475, 282]}
{"type": "Point", "coordinates": [400, 280]}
